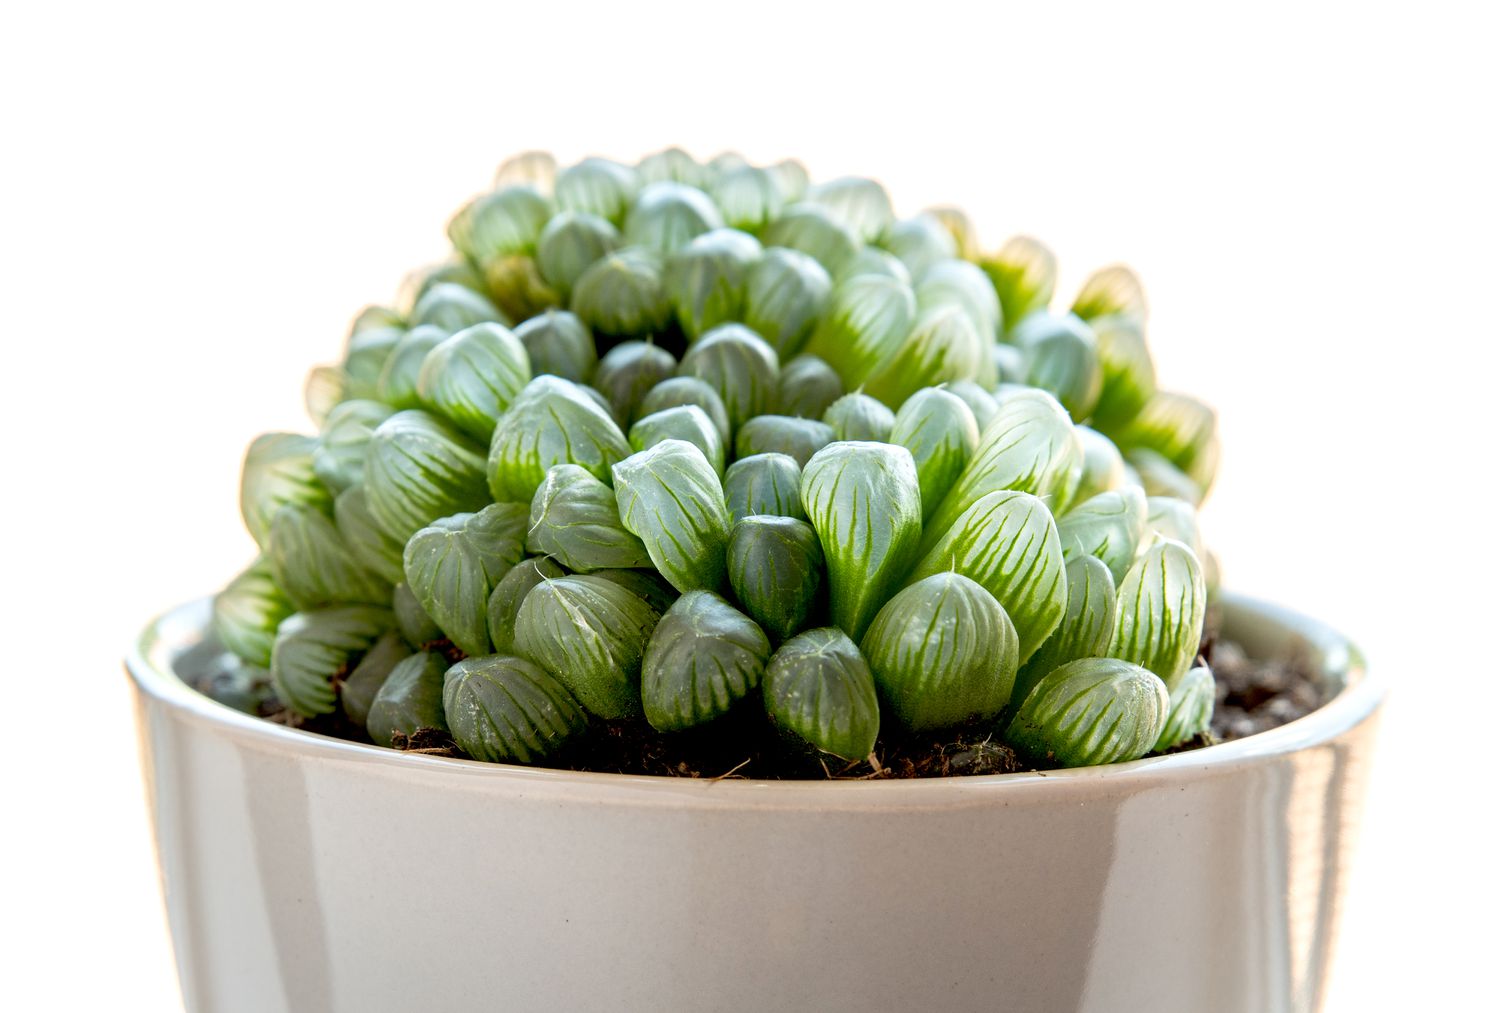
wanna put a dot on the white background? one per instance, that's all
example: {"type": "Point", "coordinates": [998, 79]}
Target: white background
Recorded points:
{"type": "Point", "coordinates": [196, 199]}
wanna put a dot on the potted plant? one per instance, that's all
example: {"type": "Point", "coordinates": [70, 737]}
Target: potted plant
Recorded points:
{"type": "Point", "coordinates": [805, 617]}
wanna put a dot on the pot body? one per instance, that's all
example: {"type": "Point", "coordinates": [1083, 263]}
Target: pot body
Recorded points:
{"type": "Point", "coordinates": [303, 873]}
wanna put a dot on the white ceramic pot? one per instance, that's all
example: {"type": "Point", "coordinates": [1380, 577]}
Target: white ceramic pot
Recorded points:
{"type": "Point", "coordinates": [305, 873]}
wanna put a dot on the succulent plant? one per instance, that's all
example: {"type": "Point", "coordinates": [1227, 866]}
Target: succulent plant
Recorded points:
{"type": "Point", "coordinates": [666, 441]}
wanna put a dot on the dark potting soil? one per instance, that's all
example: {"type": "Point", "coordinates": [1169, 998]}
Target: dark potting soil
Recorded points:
{"type": "Point", "coordinates": [1252, 695]}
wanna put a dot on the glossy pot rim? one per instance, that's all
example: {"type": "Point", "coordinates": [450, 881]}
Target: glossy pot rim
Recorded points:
{"type": "Point", "coordinates": [150, 659]}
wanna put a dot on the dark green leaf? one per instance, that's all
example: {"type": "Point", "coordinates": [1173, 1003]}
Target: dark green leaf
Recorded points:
{"type": "Point", "coordinates": [764, 484]}
{"type": "Point", "coordinates": [411, 698]}
{"type": "Point", "coordinates": [575, 520]}
{"type": "Point", "coordinates": [453, 565]}
{"type": "Point", "coordinates": [703, 657]}
{"type": "Point", "coordinates": [552, 421]}
{"type": "Point", "coordinates": [671, 498]}
{"type": "Point", "coordinates": [1091, 711]}
{"type": "Point", "coordinates": [776, 569]}
{"type": "Point", "coordinates": [818, 688]}
{"type": "Point", "coordinates": [507, 710]}
{"type": "Point", "coordinates": [796, 438]}
{"type": "Point", "coordinates": [313, 649]}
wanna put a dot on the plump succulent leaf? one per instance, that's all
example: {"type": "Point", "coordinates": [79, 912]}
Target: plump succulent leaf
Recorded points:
{"type": "Point", "coordinates": [410, 699]}
{"type": "Point", "coordinates": [685, 422]}
{"type": "Point", "coordinates": [510, 590]}
{"type": "Point", "coordinates": [938, 428]}
{"type": "Point", "coordinates": [313, 649]}
{"type": "Point", "coordinates": [375, 318]}
{"type": "Point", "coordinates": [508, 710]}
{"type": "Point", "coordinates": [786, 291]}
{"type": "Point", "coordinates": [942, 345]}
{"type": "Point", "coordinates": [597, 186]}
{"type": "Point", "coordinates": [418, 469]}
{"type": "Point", "coordinates": [1111, 291]}
{"type": "Point", "coordinates": [943, 651]}
{"type": "Point", "coordinates": [571, 243]}
{"type": "Point", "coordinates": [776, 570]}
{"type": "Point", "coordinates": [1091, 711]}
{"type": "Point", "coordinates": [516, 286]}
{"type": "Point", "coordinates": [791, 177]}
{"type": "Point", "coordinates": [647, 585]}
{"type": "Point", "coordinates": [1127, 372]}
{"type": "Point", "coordinates": [1107, 526]}
{"type": "Point", "coordinates": [1190, 710]}
{"type": "Point", "coordinates": [416, 626]}
{"type": "Point", "coordinates": [819, 689]}
{"type": "Point", "coordinates": [873, 260]}
{"type": "Point", "coordinates": [248, 611]}
{"type": "Point", "coordinates": [920, 242]}
{"type": "Point", "coordinates": [450, 307]}
{"type": "Point", "coordinates": [1103, 465]}
{"type": "Point", "coordinates": [1172, 518]}
{"type": "Point", "coordinates": [1008, 543]}
{"type": "Point", "coordinates": [536, 169]}
{"type": "Point", "coordinates": [861, 205]}
{"type": "Point", "coordinates": [703, 657]}
{"type": "Point", "coordinates": [864, 502]}
{"type": "Point", "coordinates": [667, 216]}
{"type": "Point", "coordinates": [1009, 362]}
{"type": "Point", "coordinates": [860, 417]}
{"type": "Point", "coordinates": [397, 384]}
{"type": "Point", "coordinates": [365, 357]}
{"type": "Point", "coordinates": [552, 421]}
{"type": "Point", "coordinates": [621, 294]}
{"type": "Point", "coordinates": [671, 498]}
{"type": "Point", "coordinates": [1024, 273]}
{"type": "Point", "coordinates": [868, 319]}
{"type": "Point", "coordinates": [278, 471]}
{"type": "Point", "coordinates": [1061, 357]}
{"type": "Point", "coordinates": [502, 222]}
{"type": "Point", "coordinates": [557, 343]}
{"type": "Point", "coordinates": [980, 401]}
{"type": "Point", "coordinates": [807, 387]}
{"type": "Point", "coordinates": [324, 388]}
{"type": "Point", "coordinates": [811, 229]}
{"type": "Point", "coordinates": [677, 391]}
{"type": "Point", "coordinates": [962, 284]}
{"type": "Point", "coordinates": [705, 280]}
{"type": "Point", "coordinates": [1088, 624]}
{"type": "Point", "coordinates": [1029, 446]}
{"type": "Point", "coordinates": [961, 227]}
{"type": "Point", "coordinates": [338, 459]}
{"type": "Point", "coordinates": [1160, 619]}
{"type": "Point", "coordinates": [453, 564]}
{"type": "Point", "coordinates": [1160, 477]}
{"type": "Point", "coordinates": [764, 484]}
{"type": "Point", "coordinates": [312, 563]}
{"type": "Point", "coordinates": [1179, 428]}
{"type": "Point", "coordinates": [628, 371]}
{"type": "Point", "coordinates": [672, 164]}
{"type": "Point", "coordinates": [456, 270]}
{"type": "Point", "coordinates": [796, 438]}
{"type": "Point", "coordinates": [357, 692]}
{"type": "Point", "coordinates": [740, 367]}
{"type": "Point", "coordinates": [749, 197]}
{"type": "Point", "coordinates": [575, 520]}
{"type": "Point", "coordinates": [591, 633]}
{"type": "Point", "coordinates": [471, 377]}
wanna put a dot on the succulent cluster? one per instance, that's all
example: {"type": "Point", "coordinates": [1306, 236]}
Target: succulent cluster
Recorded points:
{"type": "Point", "coordinates": [669, 440]}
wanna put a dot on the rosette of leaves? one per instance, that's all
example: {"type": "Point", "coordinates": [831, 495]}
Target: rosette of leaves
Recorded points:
{"type": "Point", "coordinates": [943, 345]}
{"type": "Point", "coordinates": [811, 229]}
{"type": "Point", "coordinates": [1190, 709]}
{"type": "Point", "coordinates": [668, 215]}
{"type": "Point", "coordinates": [860, 204]}
{"type": "Point", "coordinates": [703, 657]}
{"type": "Point", "coordinates": [943, 651]}
{"type": "Point", "coordinates": [864, 502]}
{"type": "Point", "coordinates": [919, 242]}
{"type": "Point", "coordinates": [869, 318]}
{"type": "Point", "coordinates": [749, 197]}
{"type": "Point", "coordinates": [628, 371]}
{"type": "Point", "coordinates": [1007, 542]}
{"type": "Point", "coordinates": [786, 291]}
{"type": "Point", "coordinates": [1062, 358]}
{"type": "Point", "coordinates": [357, 692]}
{"type": "Point", "coordinates": [796, 438]}
{"type": "Point", "coordinates": [740, 367]}
{"type": "Point", "coordinates": [552, 421]}
{"type": "Point", "coordinates": [1128, 376]}
{"type": "Point", "coordinates": [671, 499]}
{"type": "Point", "coordinates": [818, 689]}
{"type": "Point", "coordinates": [338, 459]}
{"type": "Point", "coordinates": [962, 284]}
{"type": "Point", "coordinates": [677, 391]}
{"type": "Point", "coordinates": [410, 700]}
{"type": "Point", "coordinates": [313, 565]}
{"type": "Point", "coordinates": [509, 710]}
{"type": "Point", "coordinates": [858, 416]}
{"type": "Point", "coordinates": [764, 484]}
{"type": "Point", "coordinates": [471, 377]}
{"type": "Point", "coordinates": [621, 294]}
{"type": "Point", "coordinates": [775, 567]}
{"type": "Point", "coordinates": [397, 384]}
{"type": "Point", "coordinates": [278, 471]}
{"type": "Point", "coordinates": [1161, 606]}
{"type": "Point", "coordinates": [591, 633]}
{"type": "Point", "coordinates": [314, 649]}
{"type": "Point", "coordinates": [575, 520]}
{"type": "Point", "coordinates": [597, 186]}
{"type": "Point", "coordinates": [510, 590]}
{"type": "Point", "coordinates": [1112, 291]}
{"type": "Point", "coordinates": [938, 428]}
{"type": "Point", "coordinates": [1024, 273]}
{"type": "Point", "coordinates": [1108, 526]}
{"type": "Point", "coordinates": [417, 469]}
{"type": "Point", "coordinates": [685, 422]}
{"type": "Point", "coordinates": [705, 280]}
{"type": "Point", "coordinates": [1091, 711]}
{"type": "Point", "coordinates": [453, 564]}
{"type": "Point", "coordinates": [451, 307]}
{"type": "Point", "coordinates": [807, 387]}
{"type": "Point", "coordinates": [1087, 626]}
{"type": "Point", "coordinates": [558, 344]}
{"type": "Point", "coordinates": [248, 611]}
{"type": "Point", "coordinates": [571, 243]}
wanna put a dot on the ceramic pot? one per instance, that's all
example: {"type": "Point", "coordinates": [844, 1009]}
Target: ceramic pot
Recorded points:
{"type": "Point", "coordinates": [305, 873]}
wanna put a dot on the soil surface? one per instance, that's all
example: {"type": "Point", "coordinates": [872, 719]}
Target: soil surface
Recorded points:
{"type": "Point", "coordinates": [1253, 695]}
